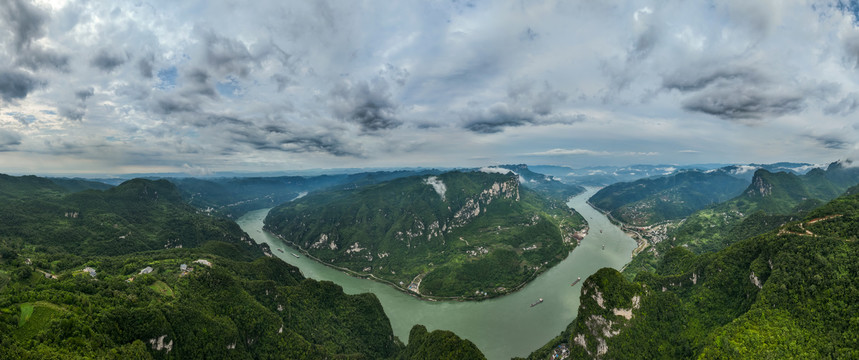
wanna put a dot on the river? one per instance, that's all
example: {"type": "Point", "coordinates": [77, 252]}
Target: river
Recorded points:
{"type": "Point", "coordinates": [502, 327]}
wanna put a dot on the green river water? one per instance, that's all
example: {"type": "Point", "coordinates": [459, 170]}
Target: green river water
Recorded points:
{"type": "Point", "coordinates": [502, 327]}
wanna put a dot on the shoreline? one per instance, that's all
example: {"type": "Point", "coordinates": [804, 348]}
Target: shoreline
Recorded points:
{"type": "Point", "coordinates": [406, 291]}
{"type": "Point", "coordinates": [627, 229]}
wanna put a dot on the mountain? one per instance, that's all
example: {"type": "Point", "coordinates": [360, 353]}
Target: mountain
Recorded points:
{"type": "Point", "coordinates": [770, 196]}
{"type": "Point", "coordinates": [656, 199]}
{"type": "Point", "coordinates": [548, 186]}
{"type": "Point", "coordinates": [772, 199]}
{"type": "Point", "coordinates": [137, 215]}
{"type": "Point", "coordinates": [133, 272]}
{"type": "Point", "coordinates": [235, 196]}
{"type": "Point", "coordinates": [788, 293]}
{"type": "Point", "coordinates": [457, 234]}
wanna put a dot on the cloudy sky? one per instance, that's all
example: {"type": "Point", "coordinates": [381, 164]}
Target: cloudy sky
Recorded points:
{"type": "Point", "coordinates": [201, 86]}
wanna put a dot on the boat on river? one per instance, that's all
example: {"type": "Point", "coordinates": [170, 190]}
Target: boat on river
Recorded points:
{"type": "Point", "coordinates": [296, 255]}
{"type": "Point", "coordinates": [576, 282]}
{"type": "Point", "coordinates": [279, 249]}
{"type": "Point", "coordinates": [539, 301]}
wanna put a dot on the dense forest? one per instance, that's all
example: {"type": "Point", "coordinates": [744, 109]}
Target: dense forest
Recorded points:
{"type": "Point", "coordinates": [788, 293]}
{"type": "Point", "coordinates": [458, 234]}
{"type": "Point", "coordinates": [652, 200]}
{"type": "Point", "coordinates": [769, 201]}
{"type": "Point", "coordinates": [234, 196]}
{"type": "Point", "coordinates": [143, 275]}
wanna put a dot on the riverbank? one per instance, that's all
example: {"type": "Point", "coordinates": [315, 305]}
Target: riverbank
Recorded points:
{"type": "Point", "coordinates": [502, 327]}
{"type": "Point", "coordinates": [418, 295]}
{"type": "Point", "coordinates": [631, 231]}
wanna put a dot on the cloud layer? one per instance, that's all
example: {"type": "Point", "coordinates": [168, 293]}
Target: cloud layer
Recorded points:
{"type": "Point", "coordinates": [181, 86]}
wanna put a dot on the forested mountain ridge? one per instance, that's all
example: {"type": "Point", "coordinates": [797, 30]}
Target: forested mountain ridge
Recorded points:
{"type": "Point", "coordinates": [458, 234]}
{"type": "Point", "coordinates": [770, 200]}
{"type": "Point", "coordinates": [652, 200]}
{"type": "Point", "coordinates": [785, 294]}
{"type": "Point", "coordinates": [135, 216]}
{"type": "Point", "coordinates": [215, 296]}
{"type": "Point", "coordinates": [236, 195]}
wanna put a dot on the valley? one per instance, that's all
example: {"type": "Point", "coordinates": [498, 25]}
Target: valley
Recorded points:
{"type": "Point", "coordinates": [501, 327]}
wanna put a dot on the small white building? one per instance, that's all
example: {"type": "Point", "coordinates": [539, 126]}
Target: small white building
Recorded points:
{"type": "Point", "coordinates": [146, 270]}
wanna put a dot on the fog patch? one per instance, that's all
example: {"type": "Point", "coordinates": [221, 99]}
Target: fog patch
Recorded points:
{"type": "Point", "coordinates": [437, 185]}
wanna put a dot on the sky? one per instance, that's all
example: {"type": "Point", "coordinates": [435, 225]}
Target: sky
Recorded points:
{"type": "Point", "coordinates": [113, 87]}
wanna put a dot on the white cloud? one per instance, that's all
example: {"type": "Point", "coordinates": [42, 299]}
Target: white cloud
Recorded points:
{"type": "Point", "coordinates": [297, 84]}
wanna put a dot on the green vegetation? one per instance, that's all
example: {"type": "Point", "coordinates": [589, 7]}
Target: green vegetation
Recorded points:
{"type": "Point", "coordinates": [465, 234]}
{"type": "Point", "coordinates": [771, 200]}
{"type": "Point", "coordinates": [653, 200]}
{"type": "Point", "coordinates": [161, 288]}
{"type": "Point", "coordinates": [215, 296]}
{"type": "Point", "coordinates": [438, 345]}
{"type": "Point", "coordinates": [786, 294]}
{"type": "Point", "coordinates": [233, 197]}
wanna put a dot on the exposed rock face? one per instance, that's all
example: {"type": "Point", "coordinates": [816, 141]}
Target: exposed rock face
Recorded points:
{"type": "Point", "coordinates": [603, 318]}
{"type": "Point", "coordinates": [759, 187]}
{"type": "Point", "coordinates": [755, 281]}
{"type": "Point", "coordinates": [159, 344]}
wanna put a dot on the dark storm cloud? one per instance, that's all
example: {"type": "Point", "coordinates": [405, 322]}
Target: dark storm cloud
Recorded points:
{"type": "Point", "coordinates": [831, 142]}
{"type": "Point", "coordinates": [282, 81]}
{"type": "Point", "coordinates": [73, 113]}
{"type": "Point", "coordinates": [198, 82]}
{"type": "Point", "coordinates": [227, 56]}
{"type": "Point", "coordinates": [25, 20]}
{"type": "Point", "coordinates": [106, 61]}
{"type": "Point", "coordinates": [738, 92]}
{"type": "Point", "coordinates": [9, 140]}
{"type": "Point", "coordinates": [17, 84]}
{"type": "Point", "coordinates": [37, 58]}
{"type": "Point", "coordinates": [84, 94]}
{"type": "Point", "coordinates": [523, 106]}
{"type": "Point", "coordinates": [146, 67]}
{"type": "Point", "coordinates": [368, 105]}
{"type": "Point", "coordinates": [737, 103]}
{"type": "Point", "coordinates": [279, 138]}
{"type": "Point", "coordinates": [500, 116]}
{"type": "Point", "coordinates": [496, 118]}
{"type": "Point", "coordinates": [169, 105]}
{"type": "Point", "coordinates": [697, 78]}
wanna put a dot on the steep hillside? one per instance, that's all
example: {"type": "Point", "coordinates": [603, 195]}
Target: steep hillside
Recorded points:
{"type": "Point", "coordinates": [652, 200]}
{"type": "Point", "coordinates": [204, 293]}
{"type": "Point", "coordinates": [458, 234]}
{"type": "Point", "coordinates": [772, 199]}
{"type": "Point", "coordinates": [786, 294]}
{"type": "Point", "coordinates": [135, 216]}
{"type": "Point", "coordinates": [767, 203]}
